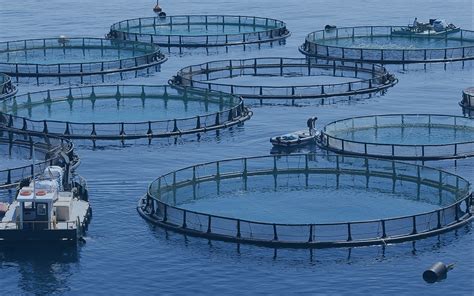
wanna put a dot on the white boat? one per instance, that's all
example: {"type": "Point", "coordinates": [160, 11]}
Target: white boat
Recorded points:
{"type": "Point", "coordinates": [298, 138]}
{"type": "Point", "coordinates": [52, 207]}
{"type": "Point", "coordinates": [433, 27]}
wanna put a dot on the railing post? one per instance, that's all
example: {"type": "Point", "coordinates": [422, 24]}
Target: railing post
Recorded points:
{"type": "Point", "coordinates": [438, 214]}
{"type": "Point", "coordinates": [238, 228]}
{"type": "Point", "coordinates": [45, 127]}
{"type": "Point", "coordinates": [349, 232]}
{"type": "Point", "coordinates": [414, 226]}
{"type": "Point", "coordinates": [310, 239]}
{"type": "Point", "coordinates": [209, 224]}
{"type": "Point", "coordinates": [275, 236]}
{"type": "Point", "coordinates": [184, 219]}
{"type": "Point", "coordinates": [165, 213]}
{"type": "Point", "coordinates": [384, 229]}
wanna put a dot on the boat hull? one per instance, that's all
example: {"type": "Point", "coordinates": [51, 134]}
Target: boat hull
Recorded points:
{"type": "Point", "coordinates": [18, 235]}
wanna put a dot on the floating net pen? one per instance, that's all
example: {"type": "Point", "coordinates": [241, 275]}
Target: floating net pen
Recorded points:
{"type": "Point", "coordinates": [7, 88]}
{"type": "Point", "coordinates": [401, 136]}
{"type": "Point", "coordinates": [16, 151]}
{"type": "Point", "coordinates": [109, 112]}
{"type": "Point", "coordinates": [358, 78]}
{"type": "Point", "coordinates": [437, 201]}
{"type": "Point", "coordinates": [389, 45]}
{"type": "Point", "coordinates": [82, 60]}
{"type": "Point", "coordinates": [200, 30]}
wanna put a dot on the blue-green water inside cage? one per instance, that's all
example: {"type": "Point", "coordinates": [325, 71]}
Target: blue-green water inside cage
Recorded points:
{"type": "Point", "coordinates": [321, 205]}
{"type": "Point", "coordinates": [197, 29]}
{"type": "Point", "coordinates": [410, 135]}
{"type": "Point", "coordinates": [287, 80]}
{"type": "Point", "coordinates": [112, 110]}
{"type": "Point", "coordinates": [67, 55]}
{"type": "Point", "coordinates": [394, 42]}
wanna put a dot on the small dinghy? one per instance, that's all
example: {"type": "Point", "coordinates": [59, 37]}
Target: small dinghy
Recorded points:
{"type": "Point", "coordinates": [299, 138]}
{"type": "Point", "coordinates": [433, 27]}
{"type": "Point", "coordinates": [329, 27]}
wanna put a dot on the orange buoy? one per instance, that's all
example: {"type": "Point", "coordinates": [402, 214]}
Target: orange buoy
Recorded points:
{"type": "Point", "coordinates": [25, 192]}
{"type": "Point", "coordinates": [41, 193]}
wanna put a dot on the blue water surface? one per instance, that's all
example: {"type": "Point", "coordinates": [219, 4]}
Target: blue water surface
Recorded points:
{"type": "Point", "coordinates": [124, 255]}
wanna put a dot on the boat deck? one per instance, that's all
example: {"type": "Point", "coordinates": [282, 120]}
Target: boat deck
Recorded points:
{"type": "Point", "coordinates": [79, 209]}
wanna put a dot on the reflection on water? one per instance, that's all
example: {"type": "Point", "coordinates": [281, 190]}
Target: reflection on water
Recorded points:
{"type": "Point", "coordinates": [43, 269]}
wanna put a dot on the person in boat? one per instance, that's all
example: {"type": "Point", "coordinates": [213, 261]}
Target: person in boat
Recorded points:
{"type": "Point", "coordinates": [157, 7]}
{"type": "Point", "coordinates": [415, 22]}
{"type": "Point", "coordinates": [311, 123]}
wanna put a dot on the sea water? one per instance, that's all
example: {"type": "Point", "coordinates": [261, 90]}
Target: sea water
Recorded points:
{"type": "Point", "coordinates": [125, 255]}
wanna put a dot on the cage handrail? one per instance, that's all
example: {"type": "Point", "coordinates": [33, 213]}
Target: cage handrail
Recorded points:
{"type": "Point", "coordinates": [388, 49]}
{"type": "Point", "coordinates": [379, 74]}
{"type": "Point", "coordinates": [283, 25]}
{"type": "Point", "coordinates": [323, 132]}
{"type": "Point", "coordinates": [461, 199]}
{"type": "Point", "coordinates": [239, 105]}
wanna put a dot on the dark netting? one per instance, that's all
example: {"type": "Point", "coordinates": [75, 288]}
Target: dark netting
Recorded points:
{"type": "Point", "coordinates": [77, 59]}
{"type": "Point", "coordinates": [361, 136]}
{"type": "Point", "coordinates": [468, 98]}
{"type": "Point", "coordinates": [200, 30]}
{"type": "Point", "coordinates": [7, 88]}
{"type": "Point", "coordinates": [17, 144]}
{"type": "Point", "coordinates": [369, 78]}
{"type": "Point", "coordinates": [228, 110]}
{"type": "Point", "coordinates": [338, 43]}
{"type": "Point", "coordinates": [167, 195]}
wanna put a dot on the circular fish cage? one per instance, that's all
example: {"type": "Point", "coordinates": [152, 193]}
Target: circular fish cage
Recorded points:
{"type": "Point", "coordinates": [401, 136]}
{"type": "Point", "coordinates": [308, 201]}
{"type": "Point", "coordinates": [112, 112]}
{"type": "Point", "coordinates": [75, 59]}
{"type": "Point", "coordinates": [358, 78]}
{"type": "Point", "coordinates": [7, 88]}
{"type": "Point", "coordinates": [468, 98]}
{"type": "Point", "coordinates": [389, 45]}
{"type": "Point", "coordinates": [200, 30]}
{"type": "Point", "coordinates": [16, 151]}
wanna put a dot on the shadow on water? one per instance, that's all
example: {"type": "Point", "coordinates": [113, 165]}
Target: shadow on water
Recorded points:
{"type": "Point", "coordinates": [43, 268]}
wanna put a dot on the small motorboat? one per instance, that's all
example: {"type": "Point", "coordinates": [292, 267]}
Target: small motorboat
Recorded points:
{"type": "Point", "coordinates": [329, 27]}
{"type": "Point", "coordinates": [299, 138]}
{"type": "Point", "coordinates": [51, 207]}
{"type": "Point", "coordinates": [433, 27]}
